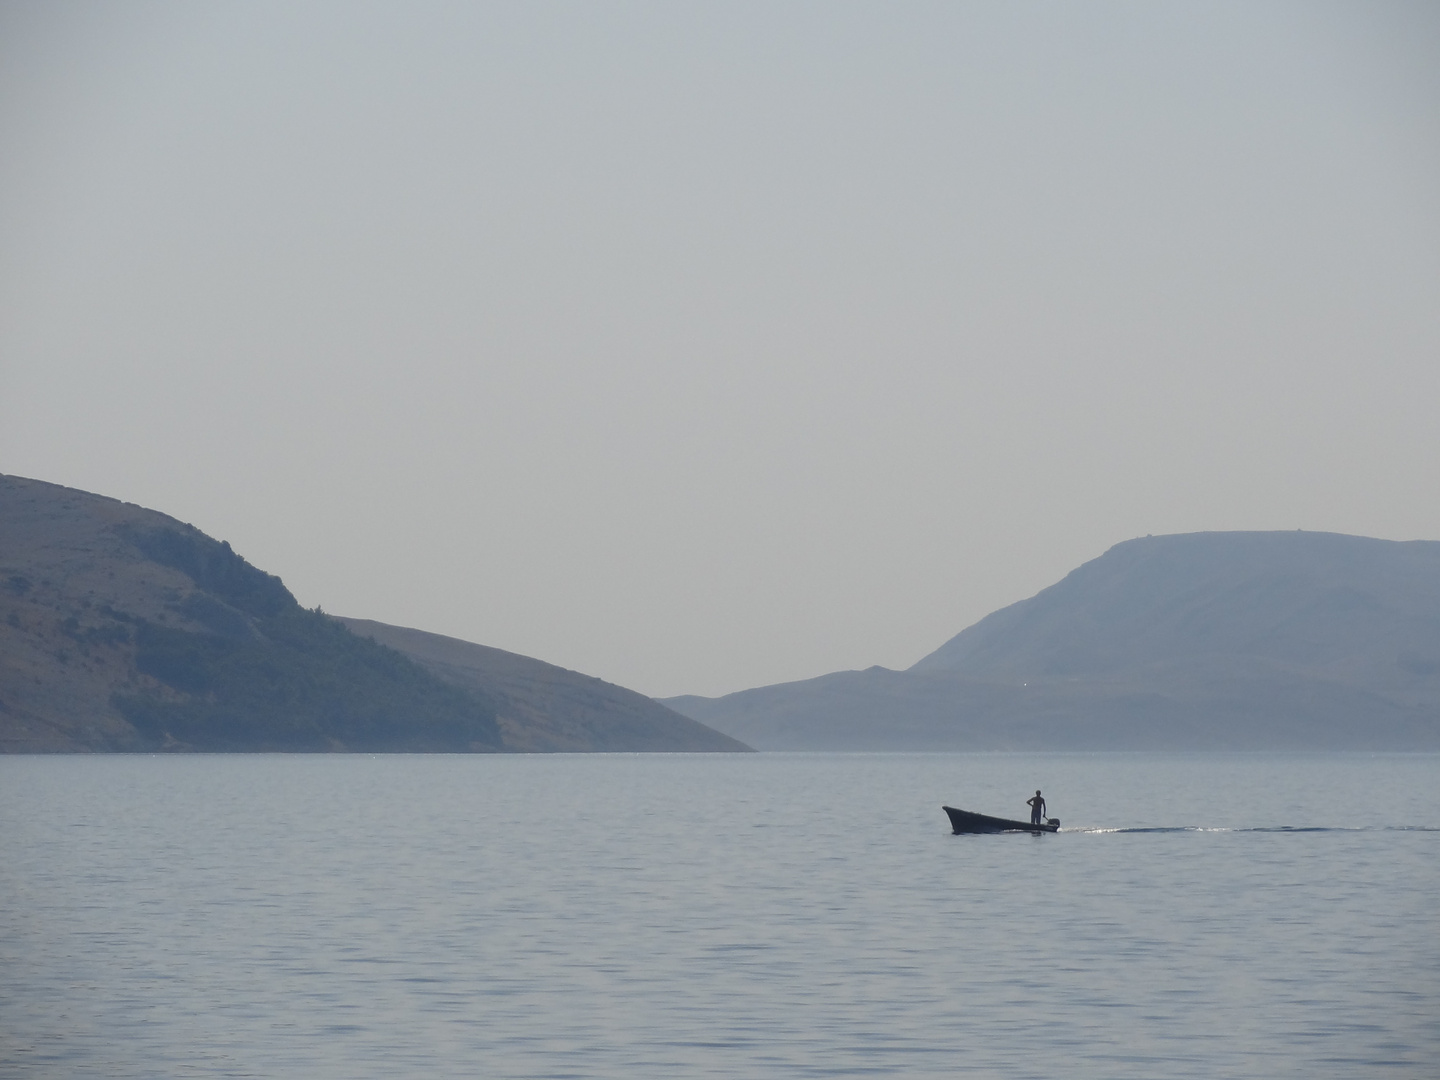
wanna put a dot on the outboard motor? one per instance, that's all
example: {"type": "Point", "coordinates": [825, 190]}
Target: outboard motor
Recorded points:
{"type": "Point", "coordinates": [1053, 821]}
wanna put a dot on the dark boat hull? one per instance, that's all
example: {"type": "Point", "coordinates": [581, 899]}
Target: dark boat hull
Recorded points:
{"type": "Point", "coordinates": [963, 821]}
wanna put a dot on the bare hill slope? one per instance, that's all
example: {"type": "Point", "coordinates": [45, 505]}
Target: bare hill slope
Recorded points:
{"type": "Point", "coordinates": [1350, 609]}
{"type": "Point", "coordinates": [1204, 640]}
{"type": "Point", "coordinates": [122, 629]}
{"type": "Point", "coordinates": [541, 707]}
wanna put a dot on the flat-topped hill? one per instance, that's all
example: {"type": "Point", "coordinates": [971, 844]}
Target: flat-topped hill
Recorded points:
{"type": "Point", "coordinates": [123, 629]}
{"type": "Point", "coordinates": [1348, 608]}
{"type": "Point", "coordinates": [1204, 640]}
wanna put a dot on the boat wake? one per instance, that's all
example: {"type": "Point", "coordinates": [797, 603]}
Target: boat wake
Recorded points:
{"type": "Point", "coordinates": [1259, 829]}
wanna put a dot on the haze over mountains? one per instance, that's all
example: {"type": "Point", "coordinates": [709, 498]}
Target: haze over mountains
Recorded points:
{"type": "Point", "coordinates": [1204, 640]}
{"type": "Point", "coordinates": [122, 629]}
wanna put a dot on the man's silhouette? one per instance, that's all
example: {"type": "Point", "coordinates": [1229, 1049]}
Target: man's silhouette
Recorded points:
{"type": "Point", "coordinates": [1037, 808]}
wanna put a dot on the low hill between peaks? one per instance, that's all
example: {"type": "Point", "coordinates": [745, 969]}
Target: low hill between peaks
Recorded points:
{"type": "Point", "coordinates": [1224, 640]}
{"type": "Point", "coordinates": [123, 629]}
{"type": "Point", "coordinates": [541, 707]}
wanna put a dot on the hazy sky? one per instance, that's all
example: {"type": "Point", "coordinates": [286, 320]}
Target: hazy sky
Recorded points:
{"type": "Point", "coordinates": [701, 346]}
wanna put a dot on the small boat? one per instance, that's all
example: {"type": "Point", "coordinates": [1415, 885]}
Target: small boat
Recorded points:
{"type": "Point", "coordinates": [964, 821]}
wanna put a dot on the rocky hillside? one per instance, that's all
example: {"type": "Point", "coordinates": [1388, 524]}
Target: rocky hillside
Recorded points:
{"type": "Point", "coordinates": [122, 629]}
{"type": "Point", "coordinates": [1207, 640]}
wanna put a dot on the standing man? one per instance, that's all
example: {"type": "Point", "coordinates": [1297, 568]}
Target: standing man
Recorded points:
{"type": "Point", "coordinates": [1037, 808]}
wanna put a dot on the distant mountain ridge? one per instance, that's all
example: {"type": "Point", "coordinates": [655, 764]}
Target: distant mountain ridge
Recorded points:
{"type": "Point", "coordinates": [122, 629]}
{"type": "Point", "coordinates": [1347, 606]}
{"type": "Point", "coordinates": [1200, 640]}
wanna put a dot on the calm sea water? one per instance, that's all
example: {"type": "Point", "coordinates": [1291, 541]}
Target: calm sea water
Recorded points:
{"type": "Point", "coordinates": [782, 915]}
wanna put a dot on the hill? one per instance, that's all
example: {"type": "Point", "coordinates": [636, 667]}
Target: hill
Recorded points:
{"type": "Point", "coordinates": [541, 707]}
{"type": "Point", "coordinates": [122, 629]}
{"type": "Point", "coordinates": [1204, 640]}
